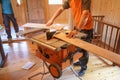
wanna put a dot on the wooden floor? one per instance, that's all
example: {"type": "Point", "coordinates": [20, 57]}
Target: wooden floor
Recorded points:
{"type": "Point", "coordinates": [20, 53]}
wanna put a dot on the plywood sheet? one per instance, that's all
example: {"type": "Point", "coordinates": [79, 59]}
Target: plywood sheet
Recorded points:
{"type": "Point", "coordinates": [35, 25]}
{"type": "Point", "coordinates": [43, 26]}
{"type": "Point", "coordinates": [92, 48]}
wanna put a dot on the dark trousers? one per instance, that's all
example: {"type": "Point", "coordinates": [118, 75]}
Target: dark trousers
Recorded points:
{"type": "Point", "coordinates": [84, 59]}
{"type": "Point", "coordinates": [6, 20]}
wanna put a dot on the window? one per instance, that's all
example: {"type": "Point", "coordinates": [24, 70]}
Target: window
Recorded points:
{"type": "Point", "coordinates": [19, 2]}
{"type": "Point", "coordinates": [55, 1]}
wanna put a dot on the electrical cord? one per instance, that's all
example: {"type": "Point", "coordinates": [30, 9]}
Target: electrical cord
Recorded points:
{"type": "Point", "coordinates": [43, 71]}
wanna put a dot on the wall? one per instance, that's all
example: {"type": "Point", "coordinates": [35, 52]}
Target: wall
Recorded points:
{"type": "Point", "coordinates": [51, 9]}
{"type": "Point", "coordinates": [35, 10]}
{"type": "Point", "coordinates": [109, 8]}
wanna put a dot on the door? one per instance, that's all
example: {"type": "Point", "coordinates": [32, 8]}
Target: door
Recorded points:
{"type": "Point", "coordinates": [35, 10]}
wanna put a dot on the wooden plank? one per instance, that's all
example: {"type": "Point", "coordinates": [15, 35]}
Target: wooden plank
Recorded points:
{"type": "Point", "coordinates": [35, 25]}
{"type": "Point", "coordinates": [90, 47]}
{"type": "Point", "coordinates": [43, 26]}
{"type": "Point", "coordinates": [43, 44]}
{"type": "Point", "coordinates": [14, 40]}
{"type": "Point", "coordinates": [30, 31]}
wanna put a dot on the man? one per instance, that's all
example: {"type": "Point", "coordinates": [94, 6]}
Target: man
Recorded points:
{"type": "Point", "coordinates": [83, 23]}
{"type": "Point", "coordinates": [8, 15]}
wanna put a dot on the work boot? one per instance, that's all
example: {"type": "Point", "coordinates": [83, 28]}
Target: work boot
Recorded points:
{"type": "Point", "coordinates": [76, 63]}
{"type": "Point", "coordinates": [81, 73]}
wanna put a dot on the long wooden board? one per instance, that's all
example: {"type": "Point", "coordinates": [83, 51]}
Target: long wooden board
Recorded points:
{"type": "Point", "coordinates": [43, 26]}
{"type": "Point", "coordinates": [35, 25]}
{"type": "Point", "coordinates": [90, 47]}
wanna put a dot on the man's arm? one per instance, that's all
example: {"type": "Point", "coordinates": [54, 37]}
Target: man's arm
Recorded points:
{"type": "Point", "coordinates": [64, 6]}
{"type": "Point", "coordinates": [83, 19]}
{"type": "Point", "coordinates": [57, 13]}
{"type": "Point", "coordinates": [85, 13]}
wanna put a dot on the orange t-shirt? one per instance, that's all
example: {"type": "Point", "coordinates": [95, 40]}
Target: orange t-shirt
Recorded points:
{"type": "Point", "coordinates": [77, 8]}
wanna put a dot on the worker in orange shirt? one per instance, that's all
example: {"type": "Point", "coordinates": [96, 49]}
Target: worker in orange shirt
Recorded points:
{"type": "Point", "coordinates": [82, 23]}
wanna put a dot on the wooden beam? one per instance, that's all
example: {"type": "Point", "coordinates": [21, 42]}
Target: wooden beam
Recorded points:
{"type": "Point", "coordinates": [90, 47]}
{"type": "Point", "coordinates": [14, 40]}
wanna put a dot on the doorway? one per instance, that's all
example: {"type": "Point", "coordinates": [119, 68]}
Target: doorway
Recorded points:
{"type": "Point", "coordinates": [35, 11]}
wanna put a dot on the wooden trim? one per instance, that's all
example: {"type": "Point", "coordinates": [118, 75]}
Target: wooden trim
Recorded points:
{"type": "Point", "coordinates": [118, 45]}
{"type": "Point", "coordinates": [106, 23]}
{"type": "Point", "coordinates": [25, 10]}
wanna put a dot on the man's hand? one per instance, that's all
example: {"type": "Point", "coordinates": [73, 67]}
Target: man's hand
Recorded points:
{"type": "Point", "coordinates": [72, 33]}
{"type": "Point", "coordinates": [50, 22]}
